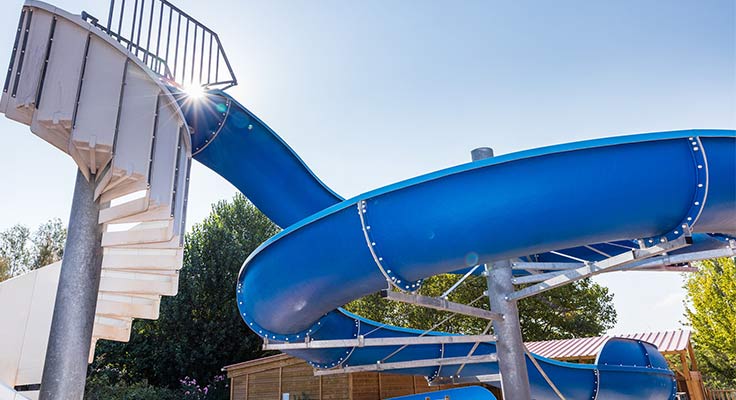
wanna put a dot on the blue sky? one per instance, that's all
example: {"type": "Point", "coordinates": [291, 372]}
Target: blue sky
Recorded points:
{"type": "Point", "coordinates": [369, 93]}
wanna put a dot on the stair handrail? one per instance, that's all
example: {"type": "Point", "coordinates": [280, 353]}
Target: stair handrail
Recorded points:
{"type": "Point", "coordinates": [158, 32]}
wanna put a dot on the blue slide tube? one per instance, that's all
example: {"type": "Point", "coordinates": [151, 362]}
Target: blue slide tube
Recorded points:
{"type": "Point", "coordinates": [526, 204]}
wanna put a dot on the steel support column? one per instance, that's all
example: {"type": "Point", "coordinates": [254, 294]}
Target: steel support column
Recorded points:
{"type": "Point", "coordinates": [509, 346]}
{"type": "Point", "coordinates": [65, 369]}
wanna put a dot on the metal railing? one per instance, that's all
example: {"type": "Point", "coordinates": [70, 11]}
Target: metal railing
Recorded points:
{"type": "Point", "coordinates": [169, 41]}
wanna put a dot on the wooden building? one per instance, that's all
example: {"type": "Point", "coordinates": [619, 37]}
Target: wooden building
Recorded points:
{"type": "Point", "coordinates": [272, 378]}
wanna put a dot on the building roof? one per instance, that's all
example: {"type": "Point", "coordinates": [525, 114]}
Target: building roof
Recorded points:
{"type": "Point", "coordinates": [258, 361]}
{"type": "Point", "coordinates": [566, 349]}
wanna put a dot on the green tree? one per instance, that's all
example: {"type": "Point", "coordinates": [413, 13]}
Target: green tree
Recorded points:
{"type": "Point", "coordinates": [4, 270]}
{"type": "Point", "coordinates": [48, 243]}
{"type": "Point", "coordinates": [15, 249]}
{"type": "Point", "coordinates": [100, 387]}
{"type": "Point", "coordinates": [576, 310]}
{"type": "Point", "coordinates": [711, 294]}
{"type": "Point", "coordinates": [21, 251]}
{"type": "Point", "coordinates": [199, 330]}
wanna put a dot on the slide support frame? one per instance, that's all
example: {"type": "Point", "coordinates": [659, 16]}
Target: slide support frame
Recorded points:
{"type": "Point", "coordinates": [65, 367]}
{"type": "Point", "coordinates": [510, 346]}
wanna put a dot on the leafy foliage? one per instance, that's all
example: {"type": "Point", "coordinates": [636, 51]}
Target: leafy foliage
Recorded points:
{"type": "Point", "coordinates": [15, 249]}
{"type": "Point", "coordinates": [576, 310]}
{"type": "Point", "coordinates": [101, 387]}
{"type": "Point", "coordinates": [217, 389]}
{"type": "Point", "coordinates": [48, 243]}
{"type": "Point", "coordinates": [199, 330]}
{"type": "Point", "coordinates": [5, 270]}
{"type": "Point", "coordinates": [21, 251]}
{"type": "Point", "coordinates": [711, 293]}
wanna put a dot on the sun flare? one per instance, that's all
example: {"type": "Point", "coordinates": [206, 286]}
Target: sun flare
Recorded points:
{"type": "Point", "coordinates": [194, 91]}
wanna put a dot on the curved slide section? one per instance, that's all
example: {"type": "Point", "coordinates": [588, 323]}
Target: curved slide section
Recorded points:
{"type": "Point", "coordinates": [233, 142]}
{"type": "Point", "coordinates": [466, 393]}
{"type": "Point", "coordinates": [430, 225]}
{"type": "Point", "coordinates": [528, 203]}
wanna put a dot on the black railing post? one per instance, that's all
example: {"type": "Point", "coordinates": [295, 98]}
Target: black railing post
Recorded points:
{"type": "Point", "coordinates": [194, 54]}
{"type": "Point", "coordinates": [217, 65]}
{"type": "Point", "coordinates": [176, 46]}
{"type": "Point", "coordinates": [120, 19]}
{"type": "Point", "coordinates": [132, 28]}
{"type": "Point", "coordinates": [150, 26]}
{"type": "Point", "coordinates": [109, 15]}
{"type": "Point", "coordinates": [201, 58]}
{"type": "Point", "coordinates": [209, 62]}
{"type": "Point", "coordinates": [184, 71]}
{"type": "Point", "coordinates": [168, 35]}
{"type": "Point", "coordinates": [160, 20]}
{"type": "Point", "coordinates": [140, 28]}
{"type": "Point", "coordinates": [184, 58]}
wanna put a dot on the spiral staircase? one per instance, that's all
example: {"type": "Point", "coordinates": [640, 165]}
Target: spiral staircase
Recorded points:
{"type": "Point", "coordinates": [105, 101]}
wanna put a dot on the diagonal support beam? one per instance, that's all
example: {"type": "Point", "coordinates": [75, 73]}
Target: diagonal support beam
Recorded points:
{"type": "Point", "coordinates": [595, 268]}
{"type": "Point", "coordinates": [362, 341]}
{"type": "Point", "coordinates": [673, 268]}
{"type": "Point", "coordinates": [456, 380]}
{"type": "Point", "coordinates": [433, 362]}
{"type": "Point", "coordinates": [545, 266]}
{"type": "Point", "coordinates": [666, 263]}
{"type": "Point", "coordinates": [459, 282]}
{"type": "Point", "coordinates": [520, 280]}
{"type": "Point", "coordinates": [440, 304]}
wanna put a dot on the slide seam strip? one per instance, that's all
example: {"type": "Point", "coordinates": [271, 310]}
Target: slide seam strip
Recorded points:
{"type": "Point", "coordinates": [700, 163]}
{"type": "Point", "coordinates": [393, 278]}
{"type": "Point", "coordinates": [214, 134]}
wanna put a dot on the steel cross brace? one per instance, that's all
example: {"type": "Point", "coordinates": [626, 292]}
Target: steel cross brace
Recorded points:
{"type": "Point", "coordinates": [440, 304]}
{"type": "Point", "coordinates": [362, 341]}
{"type": "Point", "coordinates": [433, 362]}
{"type": "Point", "coordinates": [456, 380]}
{"type": "Point", "coordinates": [599, 267]}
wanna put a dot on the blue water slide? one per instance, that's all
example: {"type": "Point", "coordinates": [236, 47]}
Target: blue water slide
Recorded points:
{"type": "Point", "coordinates": [465, 393]}
{"type": "Point", "coordinates": [592, 198]}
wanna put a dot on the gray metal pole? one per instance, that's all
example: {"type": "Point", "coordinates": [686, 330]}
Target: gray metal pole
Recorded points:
{"type": "Point", "coordinates": [481, 153]}
{"type": "Point", "coordinates": [509, 346]}
{"type": "Point", "coordinates": [65, 369]}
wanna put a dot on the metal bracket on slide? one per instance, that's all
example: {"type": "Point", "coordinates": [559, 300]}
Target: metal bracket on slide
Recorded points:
{"type": "Point", "coordinates": [700, 163]}
{"type": "Point", "coordinates": [393, 278]}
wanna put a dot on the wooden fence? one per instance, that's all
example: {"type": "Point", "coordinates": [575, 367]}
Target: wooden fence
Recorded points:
{"type": "Point", "coordinates": [715, 394]}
